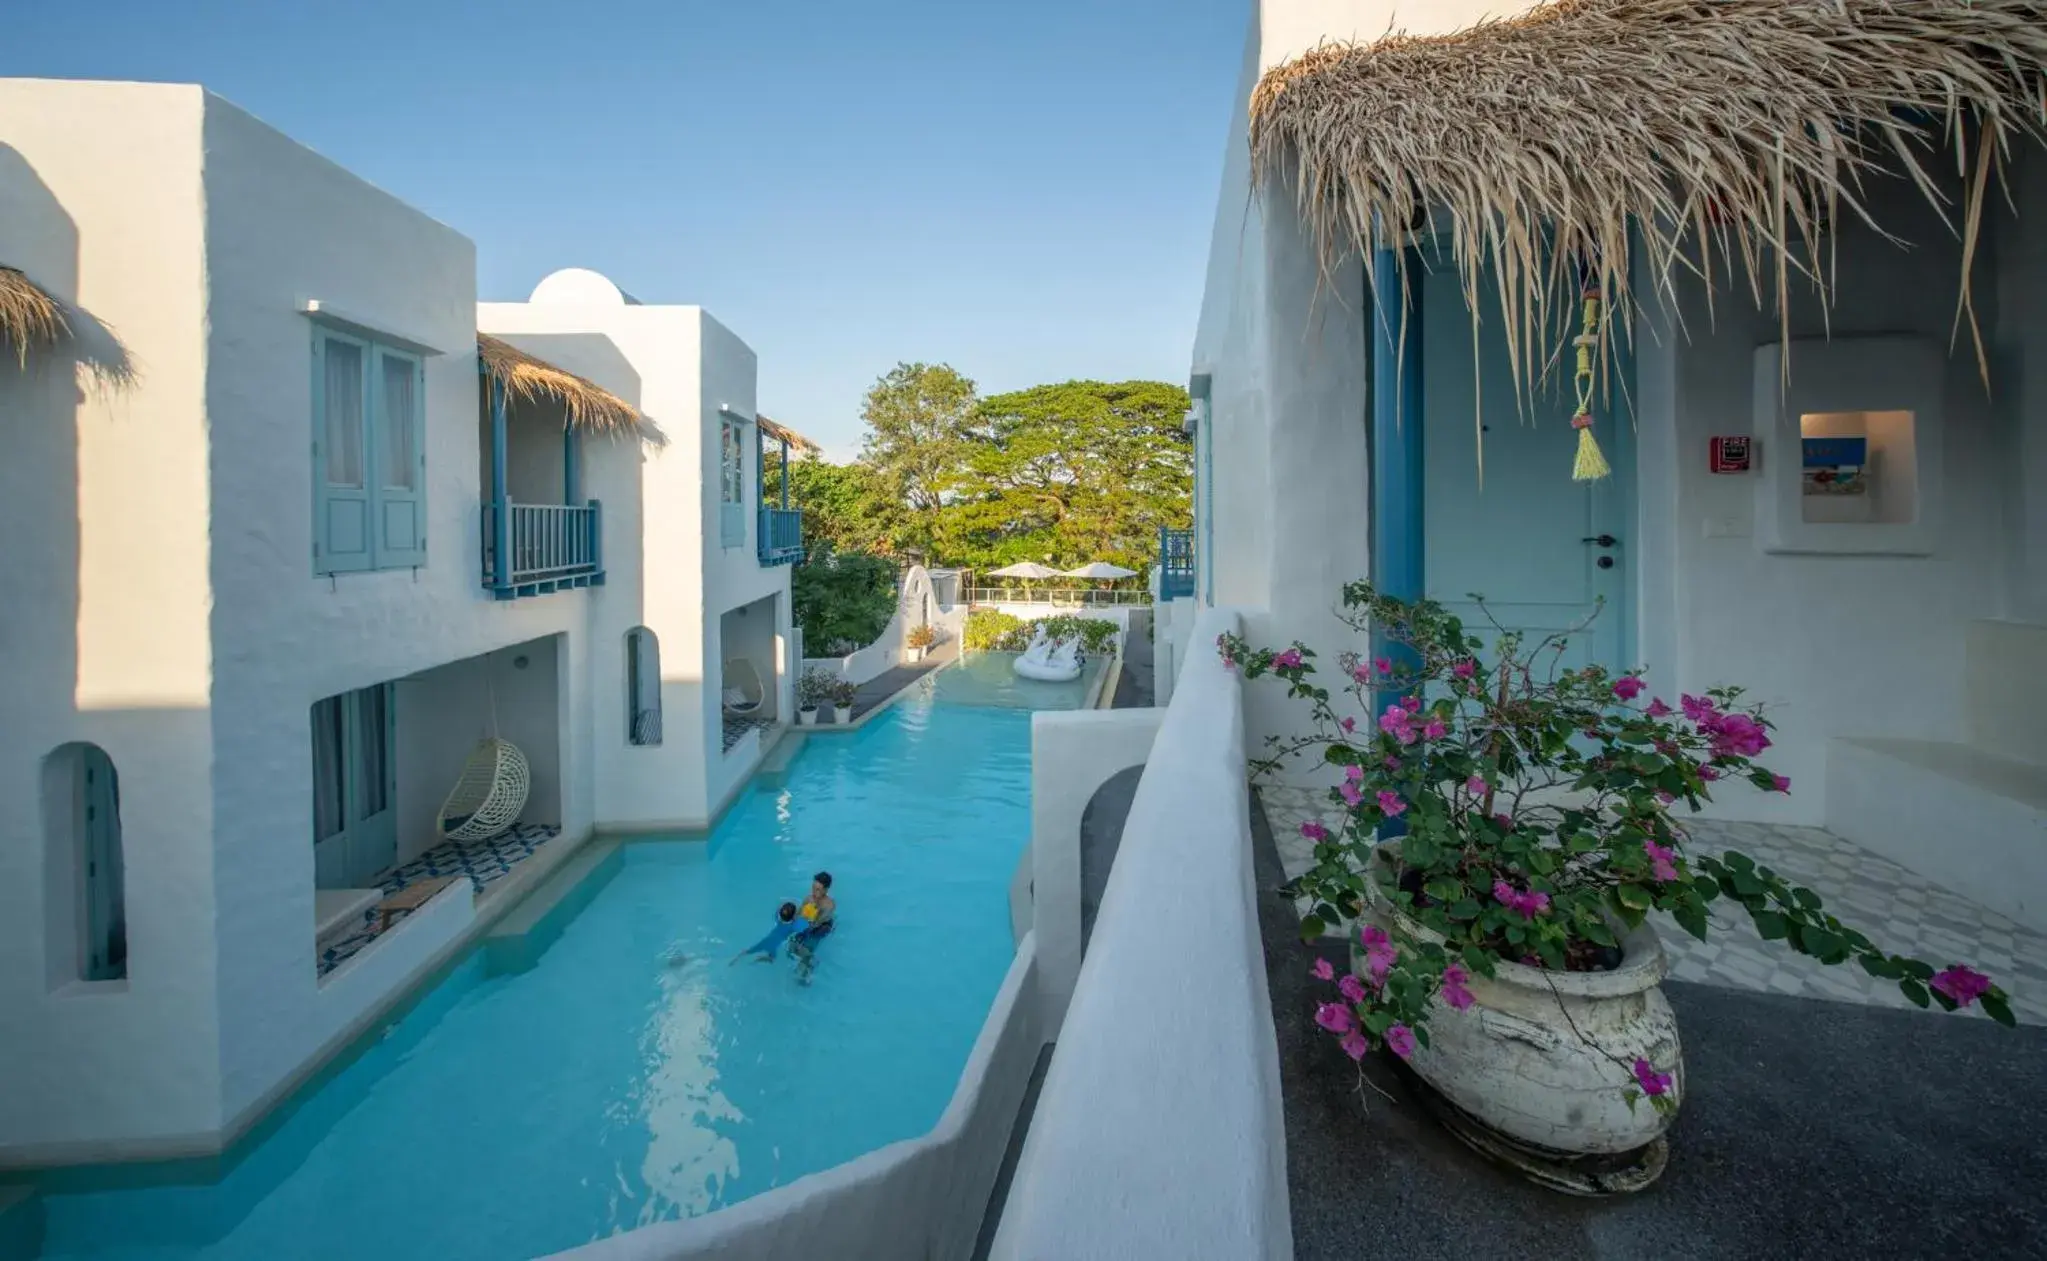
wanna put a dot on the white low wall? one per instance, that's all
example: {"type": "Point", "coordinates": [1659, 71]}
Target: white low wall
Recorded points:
{"type": "Point", "coordinates": [910, 1201]}
{"type": "Point", "coordinates": [885, 653]}
{"type": "Point", "coordinates": [1158, 1132]}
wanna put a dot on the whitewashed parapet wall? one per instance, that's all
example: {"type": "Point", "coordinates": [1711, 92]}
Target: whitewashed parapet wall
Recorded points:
{"type": "Point", "coordinates": [886, 652]}
{"type": "Point", "coordinates": [1152, 1141]}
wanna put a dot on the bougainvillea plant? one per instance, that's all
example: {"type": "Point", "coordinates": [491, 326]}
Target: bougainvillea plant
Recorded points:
{"type": "Point", "coordinates": [1539, 804]}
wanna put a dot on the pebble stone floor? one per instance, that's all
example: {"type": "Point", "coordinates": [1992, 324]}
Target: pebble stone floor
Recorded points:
{"type": "Point", "coordinates": [1900, 911]}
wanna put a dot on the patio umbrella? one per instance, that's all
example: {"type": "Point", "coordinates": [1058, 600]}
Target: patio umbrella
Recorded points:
{"type": "Point", "coordinates": [1100, 569]}
{"type": "Point", "coordinates": [1024, 569]}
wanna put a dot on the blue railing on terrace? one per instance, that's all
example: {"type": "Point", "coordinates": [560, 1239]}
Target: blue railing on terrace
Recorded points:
{"type": "Point", "coordinates": [781, 536]}
{"type": "Point", "coordinates": [1176, 564]}
{"type": "Point", "coordinates": [531, 549]}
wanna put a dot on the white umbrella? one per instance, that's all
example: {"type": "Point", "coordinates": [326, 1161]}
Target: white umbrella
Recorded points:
{"type": "Point", "coordinates": [1100, 569]}
{"type": "Point", "coordinates": [1024, 569]}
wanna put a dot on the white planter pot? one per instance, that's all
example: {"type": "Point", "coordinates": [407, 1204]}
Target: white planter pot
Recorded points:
{"type": "Point", "coordinates": [915, 654]}
{"type": "Point", "coordinates": [842, 714]}
{"type": "Point", "coordinates": [806, 717]}
{"type": "Point", "coordinates": [1544, 1058]}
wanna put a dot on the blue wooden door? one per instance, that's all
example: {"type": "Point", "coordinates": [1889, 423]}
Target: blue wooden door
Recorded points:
{"type": "Point", "coordinates": [1528, 539]}
{"type": "Point", "coordinates": [355, 834]}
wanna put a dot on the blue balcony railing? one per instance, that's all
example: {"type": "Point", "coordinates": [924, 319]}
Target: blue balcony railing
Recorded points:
{"type": "Point", "coordinates": [781, 536]}
{"type": "Point", "coordinates": [1176, 564]}
{"type": "Point", "coordinates": [531, 549]}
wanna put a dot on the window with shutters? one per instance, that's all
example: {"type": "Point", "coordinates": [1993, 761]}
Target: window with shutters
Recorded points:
{"type": "Point", "coordinates": [642, 686]}
{"type": "Point", "coordinates": [369, 455]}
{"type": "Point", "coordinates": [87, 909]}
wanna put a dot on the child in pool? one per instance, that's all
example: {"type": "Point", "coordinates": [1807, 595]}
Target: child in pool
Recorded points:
{"type": "Point", "coordinates": [788, 922]}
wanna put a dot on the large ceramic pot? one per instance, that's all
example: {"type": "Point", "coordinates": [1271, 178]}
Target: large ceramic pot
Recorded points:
{"type": "Point", "coordinates": [1534, 1071]}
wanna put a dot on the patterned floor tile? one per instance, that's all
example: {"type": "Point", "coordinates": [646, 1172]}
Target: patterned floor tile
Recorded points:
{"type": "Point", "coordinates": [483, 862]}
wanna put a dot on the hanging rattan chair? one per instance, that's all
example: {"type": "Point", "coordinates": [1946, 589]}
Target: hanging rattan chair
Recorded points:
{"type": "Point", "coordinates": [492, 788]}
{"type": "Point", "coordinates": [489, 795]}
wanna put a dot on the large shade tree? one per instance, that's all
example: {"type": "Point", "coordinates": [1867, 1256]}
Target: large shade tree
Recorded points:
{"type": "Point", "coordinates": [1071, 473]}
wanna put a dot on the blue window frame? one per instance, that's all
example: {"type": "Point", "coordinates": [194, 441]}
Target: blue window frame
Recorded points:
{"type": "Point", "coordinates": [369, 455]}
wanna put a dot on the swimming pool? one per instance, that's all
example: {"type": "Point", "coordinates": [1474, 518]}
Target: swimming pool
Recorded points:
{"type": "Point", "coordinates": [608, 1087]}
{"type": "Point", "coordinates": [988, 678]}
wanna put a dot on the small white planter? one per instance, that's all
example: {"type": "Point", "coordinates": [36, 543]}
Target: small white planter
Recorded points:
{"type": "Point", "coordinates": [1541, 1059]}
{"type": "Point", "coordinates": [842, 714]}
{"type": "Point", "coordinates": [807, 716]}
{"type": "Point", "coordinates": [914, 654]}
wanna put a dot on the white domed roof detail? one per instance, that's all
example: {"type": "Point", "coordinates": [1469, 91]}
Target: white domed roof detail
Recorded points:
{"type": "Point", "coordinates": [579, 286]}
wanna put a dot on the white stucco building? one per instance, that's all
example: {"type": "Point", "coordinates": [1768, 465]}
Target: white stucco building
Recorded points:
{"type": "Point", "coordinates": [285, 547]}
{"type": "Point", "coordinates": [1897, 638]}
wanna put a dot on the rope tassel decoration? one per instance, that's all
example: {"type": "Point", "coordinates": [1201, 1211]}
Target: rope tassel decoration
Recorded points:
{"type": "Point", "coordinates": [1591, 463]}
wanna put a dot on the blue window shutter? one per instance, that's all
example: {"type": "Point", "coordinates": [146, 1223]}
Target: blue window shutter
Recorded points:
{"type": "Point", "coordinates": [399, 452]}
{"type": "Point", "coordinates": [342, 540]}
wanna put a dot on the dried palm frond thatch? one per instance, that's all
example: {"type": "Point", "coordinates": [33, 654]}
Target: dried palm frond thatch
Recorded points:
{"type": "Point", "coordinates": [782, 433]}
{"type": "Point", "coordinates": [587, 406]}
{"type": "Point", "coordinates": [1715, 131]}
{"type": "Point", "coordinates": [29, 318]}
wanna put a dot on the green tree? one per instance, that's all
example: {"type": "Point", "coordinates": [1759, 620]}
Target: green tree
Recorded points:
{"type": "Point", "coordinates": [1071, 473]}
{"type": "Point", "coordinates": [842, 600]}
{"type": "Point", "coordinates": [918, 417]}
{"type": "Point", "coordinates": [846, 507]}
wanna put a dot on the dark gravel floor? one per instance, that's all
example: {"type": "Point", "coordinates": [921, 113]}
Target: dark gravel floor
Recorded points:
{"type": "Point", "coordinates": [1811, 1130]}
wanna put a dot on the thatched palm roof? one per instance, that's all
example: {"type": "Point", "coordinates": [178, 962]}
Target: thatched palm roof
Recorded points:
{"type": "Point", "coordinates": [782, 433]}
{"type": "Point", "coordinates": [30, 319]}
{"type": "Point", "coordinates": [588, 406]}
{"type": "Point", "coordinates": [1714, 128]}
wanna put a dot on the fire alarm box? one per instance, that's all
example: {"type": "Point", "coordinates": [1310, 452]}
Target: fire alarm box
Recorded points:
{"type": "Point", "coordinates": [1733, 454]}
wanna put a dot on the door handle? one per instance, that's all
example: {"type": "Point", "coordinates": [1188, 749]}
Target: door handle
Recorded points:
{"type": "Point", "coordinates": [1603, 540]}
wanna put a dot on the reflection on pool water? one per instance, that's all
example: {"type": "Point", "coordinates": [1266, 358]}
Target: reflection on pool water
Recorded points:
{"type": "Point", "coordinates": [612, 1086]}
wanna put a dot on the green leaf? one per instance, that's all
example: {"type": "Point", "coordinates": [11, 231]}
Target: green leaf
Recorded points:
{"type": "Point", "coordinates": [1464, 909]}
{"type": "Point", "coordinates": [1443, 890]}
{"type": "Point", "coordinates": [1999, 1010]}
{"type": "Point", "coordinates": [1805, 898]}
{"type": "Point", "coordinates": [1771, 925]}
{"type": "Point", "coordinates": [1692, 919]}
{"type": "Point", "coordinates": [1635, 897]}
{"type": "Point", "coordinates": [1914, 991]}
{"type": "Point", "coordinates": [1312, 927]}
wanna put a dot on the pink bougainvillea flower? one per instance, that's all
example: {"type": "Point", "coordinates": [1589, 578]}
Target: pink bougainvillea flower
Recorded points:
{"type": "Point", "coordinates": [1503, 892]}
{"type": "Point", "coordinates": [1352, 989]}
{"type": "Point", "coordinates": [1434, 729]}
{"type": "Point", "coordinates": [1360, 674]}
{"type": "Point", "coordinates": [1697, 708]}
{"type": "Point", "coordinates": [1627, 687]}
{"type": "Point", "coordinates": [1393, 721]}
{"type": "Point", "coordinates": [1380, 952]}
{"type": "Point", "coordinates": [1527, 905]}
{"type": "Point", "coordinates": [1354, 773]}
{"type": "Point", "coordinates": [1454, 993]}
{"type": "Point", "coordinates": [1392, 763]}
{"type": "Point", "coordinates": [1288, 660]}
{"type": "Point", "coordinates": [1349, 725]}
{"type": "Point", "coordinates": [1412, 704]}
{"type": "Point", "coordinates": [1662, 860]}
{"type": "Point", "coordinates": [1657, 709]}
{"type": "Point", "coordinates": [1355, 1044]}
{"type": "Point", "coordinates": [1392, 803]}
{"type": "Point", "coordinates": [1708, 773]}
{"type": "Point", "coordinates": [1383, 665]}
{"type": "Point", "coordinates": [1651, 1081]}
{"type": "Point", "coordinates": [1370, 935]}
{"type": "Point", "coordinates": [1350, 794]}
{"type": "Point", "coordinates": [1400, 1041]}
{"type": "Point", "coordinates": [1476, 785]}
{"type": "Point", "coordinates": [1314, 831]}
{"type": "Point", "coordinates": [1735, 735]}
{"type": "Point", "coordinates": [1465, 668]}
{"type": "Point", "coordinates": [1335, 1017]}
{"type": "Point", "coordinates": [1664, 797]}
{"type": "Point", "coordinates": [1962, 984]}
{"type": "Point", "coordinates": [1322, 971]}
{"type": "Point", "coordinates": [1780, 783]}
{"type": "Point", "coordinates": [1506, 821]}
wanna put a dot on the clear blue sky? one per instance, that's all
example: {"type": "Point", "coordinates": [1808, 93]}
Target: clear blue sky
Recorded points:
{"type": "Point", "coordinates": [1023, 190]}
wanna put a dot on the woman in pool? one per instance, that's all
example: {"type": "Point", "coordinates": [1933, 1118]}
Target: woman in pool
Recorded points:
{"type": "Point", "coordinates": [819, 916]}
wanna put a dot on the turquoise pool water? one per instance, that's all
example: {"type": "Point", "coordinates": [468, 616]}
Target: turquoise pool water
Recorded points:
{"type": "Point", "coordinates": [609, 1087]}
{"type": "Point", "coordinates": [987, 678]}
